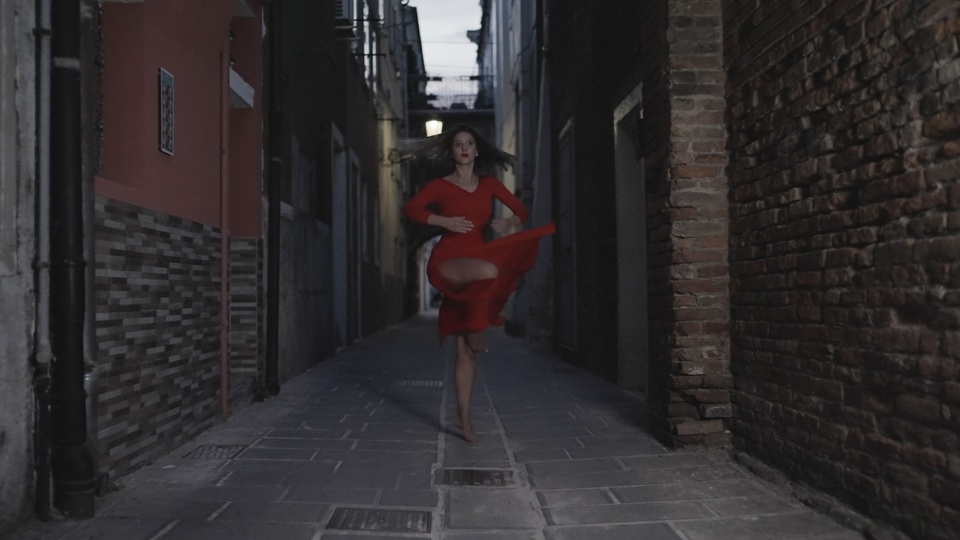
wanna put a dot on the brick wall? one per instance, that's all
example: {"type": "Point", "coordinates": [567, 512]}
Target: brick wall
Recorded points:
{"type": "Point", "coordinates": [688, 222]}
{"type": "Point", "coordinates": [844, 144]}
{"type": "Point", "coordinates": [675, 50]}
{"type": "Point", "coordinates": [157, 329]}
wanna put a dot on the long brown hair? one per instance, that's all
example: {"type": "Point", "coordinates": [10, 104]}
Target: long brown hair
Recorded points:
{"type": "Point", "coordinates": [438, 151]}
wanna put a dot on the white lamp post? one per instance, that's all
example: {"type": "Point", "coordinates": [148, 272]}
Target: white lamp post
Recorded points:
{"type": "Point", "coordinates": [434, 127]}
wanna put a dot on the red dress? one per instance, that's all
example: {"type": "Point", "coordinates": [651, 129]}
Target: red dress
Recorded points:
{"type": "Point", "coordinates": [477, 305]}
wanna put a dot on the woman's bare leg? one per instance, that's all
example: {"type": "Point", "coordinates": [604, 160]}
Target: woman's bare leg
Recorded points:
{"type": "Point", "coordinates": [462, 271]}
{"type": "Point", "coordinates": [463, 374]}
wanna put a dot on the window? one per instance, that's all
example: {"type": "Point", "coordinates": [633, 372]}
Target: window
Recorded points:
{"type": "Point", "coordinates": [343, 11]}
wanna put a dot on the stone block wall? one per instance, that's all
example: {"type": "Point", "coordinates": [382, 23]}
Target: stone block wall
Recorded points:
{"type": "Point", "coordinates": [158, 333]}
{"type": "Point", "coordinates": [844, 168]}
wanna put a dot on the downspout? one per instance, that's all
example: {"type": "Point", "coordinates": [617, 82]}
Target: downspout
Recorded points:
{"type": "Point", "coordinates": [225, 232]}
{"type": "Point", "coordinates": [43, 503]}
{"type": "Point", "coordinates": [274, 171]}
{"type": "Point", "coordinates": [73, 471]}
{"type": "Point", "coordinates": [91, 95]}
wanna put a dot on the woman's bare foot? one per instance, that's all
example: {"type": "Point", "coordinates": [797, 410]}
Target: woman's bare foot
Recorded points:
{"type": "Point", "coordinates": [475, 342]}
{"type": "Point", "coordinates": [467, 428]}
{"type": "Point", "coordinates": [468, 433]}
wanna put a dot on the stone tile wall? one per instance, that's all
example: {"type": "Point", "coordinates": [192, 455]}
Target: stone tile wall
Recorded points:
{"type": "Point", "coordinates": [157, 330]}
{"type": "Point", "coordinates": [247, 309]}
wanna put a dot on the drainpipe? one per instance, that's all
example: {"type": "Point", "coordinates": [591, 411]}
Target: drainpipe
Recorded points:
{"type": "Point", "coordinates": [73, 471]}
{"type": "Point", "coordinates": [224, 233]}
{"type": "Point", "coordinates": [43, 503]}
{"type": "Point", "coordinates": [274, 172]}
{"type": "Point", "coordinates": [91, 89]}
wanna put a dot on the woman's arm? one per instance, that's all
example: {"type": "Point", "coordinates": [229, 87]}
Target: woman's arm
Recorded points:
{"type": "Point", "coordinates": [418, 210]}
{"type": "Point", "coordinates": [417, 207]}
{"type": "Point", "coordinates": [515, 205]}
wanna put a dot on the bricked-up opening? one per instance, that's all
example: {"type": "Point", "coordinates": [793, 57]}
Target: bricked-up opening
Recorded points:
{"type": "Point", "coordinates": [688, 218]}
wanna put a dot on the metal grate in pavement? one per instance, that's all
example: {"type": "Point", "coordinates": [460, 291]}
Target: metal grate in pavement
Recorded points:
{"type": "Point", "coordinates": [435, 384]}
{"type": "Point", "coordinates": [215, 451]}
{"type": "Point", "coordinates": [369, 519]}
{"type": "Point", "coordinates": [474, 477]}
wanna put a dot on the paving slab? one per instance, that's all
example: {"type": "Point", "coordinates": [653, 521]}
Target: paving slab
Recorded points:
{"type": "Point", "coordinates": [643, 531]}
{"type": "Point", "coordinates": [371, 429]}
{"type": "Point", "coordinates": [792, 526]}
{"type": "Point", "coordinates": [235, 530]}
{"type": "Point", "coordinates": [485, 508]}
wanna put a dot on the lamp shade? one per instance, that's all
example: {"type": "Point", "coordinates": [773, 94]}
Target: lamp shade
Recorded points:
{"type": "Point", "coordinates": [434, 127]}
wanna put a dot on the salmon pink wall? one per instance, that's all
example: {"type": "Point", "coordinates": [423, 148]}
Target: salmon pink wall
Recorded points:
{"type": "Point", "coordinates": [187, 38]}
{"type": "Point", "coordinates": [246, 130]}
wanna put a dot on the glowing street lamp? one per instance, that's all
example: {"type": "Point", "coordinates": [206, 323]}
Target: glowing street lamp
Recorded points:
{"type": "Point", "coordinates": [434, 127]}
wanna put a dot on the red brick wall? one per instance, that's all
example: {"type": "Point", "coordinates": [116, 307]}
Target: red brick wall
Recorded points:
{"type": "Point", "coordinates": [844, 123]}
{"type": "Point", "coordinates": [687, 213]}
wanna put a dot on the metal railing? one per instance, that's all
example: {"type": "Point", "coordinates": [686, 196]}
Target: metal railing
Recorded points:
{"type": "Point", "coordinates": [459, 92]}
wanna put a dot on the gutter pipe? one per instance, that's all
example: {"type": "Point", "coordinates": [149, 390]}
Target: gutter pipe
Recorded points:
{"type": "Point", "coordinates": [225, 232]}
{"type": "Point", "coordinates": [271, 383]}
{"type": "Point", "coordinates": [74, 477]}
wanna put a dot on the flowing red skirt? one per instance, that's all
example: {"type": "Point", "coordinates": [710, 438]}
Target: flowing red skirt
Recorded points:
{"type": "Point", "coordinates": [478, 305]}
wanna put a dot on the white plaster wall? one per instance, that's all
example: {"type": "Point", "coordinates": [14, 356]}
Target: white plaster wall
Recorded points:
{"type": "Point", "coordinates": [17, 188]}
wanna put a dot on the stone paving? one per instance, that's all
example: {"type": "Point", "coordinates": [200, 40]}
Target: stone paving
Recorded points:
{"type": "Point", "coordinates": [365, 440]}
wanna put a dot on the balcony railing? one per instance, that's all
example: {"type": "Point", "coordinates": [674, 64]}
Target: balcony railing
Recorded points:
{"type": "Point", "coordinates": [456, 92]}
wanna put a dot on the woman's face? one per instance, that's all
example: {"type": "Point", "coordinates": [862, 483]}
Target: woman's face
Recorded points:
{"type": "Point", "coordinates": [464, 148]}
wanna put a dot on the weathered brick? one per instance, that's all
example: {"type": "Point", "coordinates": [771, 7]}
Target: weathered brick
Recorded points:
{"type": "Point", "coordinates": [945, 491]}
{"type": "Point", "coordinates": [707, 395]}
{"type": "Point", "coordinates": [702, 427]}
{"type": "Point", "coordinates": [924, 408]}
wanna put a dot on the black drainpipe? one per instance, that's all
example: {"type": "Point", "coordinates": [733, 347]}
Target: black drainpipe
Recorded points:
{"type": "Point", "coordinates": [274, 191]}
{"type": "Point", "coordinates": [73, 471]}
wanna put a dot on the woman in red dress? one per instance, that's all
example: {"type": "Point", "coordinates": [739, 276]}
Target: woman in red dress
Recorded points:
{"type": "Point", "coordinates": [475, 277]}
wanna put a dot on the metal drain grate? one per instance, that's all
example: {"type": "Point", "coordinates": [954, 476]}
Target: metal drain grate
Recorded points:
{"type": "Point", "coordinates": [215, 451]}
{"type": "Point", "coordinates": [434, 384]}
{"type": "Point", "coordinates": [474, 477]}
{"type": "Point", "coordinates": [368, 519]}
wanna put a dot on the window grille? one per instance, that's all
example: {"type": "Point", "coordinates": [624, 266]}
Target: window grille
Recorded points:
{"type": "Point", "coordinates": [166, 112]}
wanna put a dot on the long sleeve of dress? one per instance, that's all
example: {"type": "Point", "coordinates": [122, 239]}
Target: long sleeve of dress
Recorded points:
{"type": "Point", "coordinates": [417, 207]}
{"type": "Point", "coordinates": [519, 209]}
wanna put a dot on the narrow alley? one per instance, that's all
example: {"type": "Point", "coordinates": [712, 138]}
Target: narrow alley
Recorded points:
{"type": "Point", "coordinates": [351, 449]}
{"type": "Point", "coordinates": [722, 236]}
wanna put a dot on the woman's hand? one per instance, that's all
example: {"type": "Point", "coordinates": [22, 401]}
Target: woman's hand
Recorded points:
{"type": "Point", "coordinates": [502, 225]}
{"type": "Point", "coordinates": [455, 224]}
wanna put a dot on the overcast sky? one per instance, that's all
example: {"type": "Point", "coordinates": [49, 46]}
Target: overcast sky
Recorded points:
{"type": "Point", "coordinates": [443, 31]}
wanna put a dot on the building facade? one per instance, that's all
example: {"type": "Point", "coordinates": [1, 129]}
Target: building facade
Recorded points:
{"type": "Point", "coordinates": [756, 208]}
{"type": "Point", "coordinates": [232, 219]}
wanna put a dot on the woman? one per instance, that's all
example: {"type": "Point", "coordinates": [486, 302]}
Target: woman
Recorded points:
{"type": "Point", "coordinates": [475, 277]}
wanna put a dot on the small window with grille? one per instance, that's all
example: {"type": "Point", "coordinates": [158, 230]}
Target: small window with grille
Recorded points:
{"type": "Point", "coordinates": [166, 112]}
